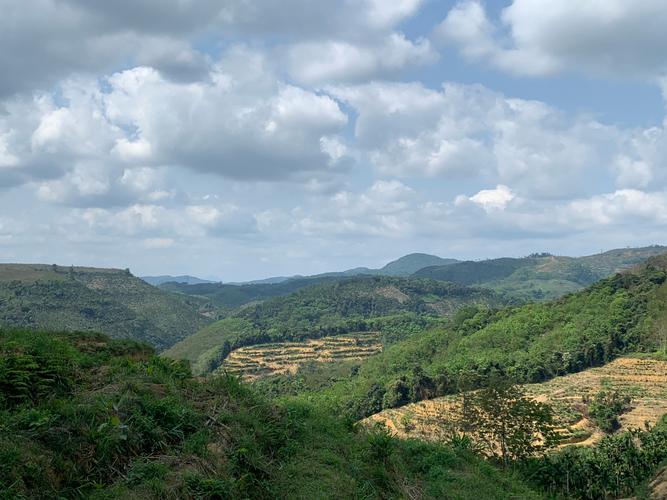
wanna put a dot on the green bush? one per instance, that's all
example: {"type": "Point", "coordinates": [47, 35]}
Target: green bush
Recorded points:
{"type": "Point", "coordinates": [606, 407]}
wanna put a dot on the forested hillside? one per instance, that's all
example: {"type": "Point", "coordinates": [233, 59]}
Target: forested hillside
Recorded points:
{"type": "Point", "coordinates": [83, 416]}
{"type": "Point", "coordinates": [227, 296]}
{"type": "Point", "coordinates": [540, 276]}
{"type": "Point", "coordinates": [395, 306]}
{"type": "Point", "coordinates": [530, 343]}
{"type": "Point", "coordinates": [111, 301]}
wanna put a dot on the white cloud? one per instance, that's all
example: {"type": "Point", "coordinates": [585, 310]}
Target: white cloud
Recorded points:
{"type": "Point", "coordinates": [534, 37]}
{"type": "Point", "coordinates": [408, 130]}
{"type": "Point", "coordinates": [326, 62]}
{"type": "Point", "coordinates": [492, 199]}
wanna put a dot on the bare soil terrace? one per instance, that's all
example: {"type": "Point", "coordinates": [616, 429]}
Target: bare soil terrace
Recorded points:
{"type": "Point", "coordinates": [285, 358]}
{"type": "Point", "coordinates": [645, 380]}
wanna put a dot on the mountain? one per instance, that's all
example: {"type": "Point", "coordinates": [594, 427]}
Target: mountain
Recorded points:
{"type": "Point", "coordinates": [188, 280]}
{"type": "Point", "coordinates": [409, 264]}
{"type": "Point", "coordinates": [403, 266]}
{"type": "Point", "coordinates": [231, 295]}
{"type": "Point", "coordinates": [227, 296]}
{"type": "Point", "coordinates": [341, 306]}
{"type": "Point", "coordinates": [110, 301]}
{"type": "Point", "coordinates": [540, 276]}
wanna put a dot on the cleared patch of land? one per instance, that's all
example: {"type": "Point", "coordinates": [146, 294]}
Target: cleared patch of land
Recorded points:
{"type": "Point", "coordinates": [285, 358]}
{"type": "Point", "coordinates": [645, 380]}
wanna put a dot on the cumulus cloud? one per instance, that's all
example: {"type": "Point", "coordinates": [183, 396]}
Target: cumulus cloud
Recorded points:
{"type": "Point", "coordinates": [470, 131]}
{"type": "Point", "coordinates": [533, 37]}
{"type": "Point", "coordinates": [489, 199]}
{"type": "Point", "coordinates": [326, 62]}
{"type": "Point", "coordinates": [52, 39]}
{"type": "Point", "coordinates": [241, 123]}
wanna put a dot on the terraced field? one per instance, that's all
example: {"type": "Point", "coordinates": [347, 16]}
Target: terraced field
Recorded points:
{"type": "Point", "coordinates": [281, 358]}
{"type": "Point", "coordinates": [644, 379]}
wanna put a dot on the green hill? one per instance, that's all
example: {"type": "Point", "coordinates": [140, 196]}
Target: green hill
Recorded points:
{"type": "Point", "coordinates": [409, 264]}
{"type": "Point", "coordinates": [347, 305]}
{"type": "Point", "coordinates": [83, 416]}
{"type": "Point", "coordinates": [540, 276]}
{"type": "Point", "coordinates": [226, 296]}
{"type": "Point", "coordinates": [111, 301]}
{"type": "Point", "coordinates": [165, 278]}
{"type": "Point", "coordinates": [530, 343]}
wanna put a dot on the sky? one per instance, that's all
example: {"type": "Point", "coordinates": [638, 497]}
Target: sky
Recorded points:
{"type": "Point", "coordinates": [249, 138]}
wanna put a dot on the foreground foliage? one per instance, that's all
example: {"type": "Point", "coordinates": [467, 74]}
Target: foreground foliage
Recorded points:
{"type": "Point", "coordinates": [83, 416]}
{"type": "Point", "coordinates": [612, 469]}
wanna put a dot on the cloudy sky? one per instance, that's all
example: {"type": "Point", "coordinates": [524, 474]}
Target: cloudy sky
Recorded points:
{"type": "Point", "coordinates": [249, 138]}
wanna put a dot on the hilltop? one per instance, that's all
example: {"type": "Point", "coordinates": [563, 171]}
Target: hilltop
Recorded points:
{"type": "Point", "coordinates": [540, 276]}
{"type": "Point", "coordinates": [111, 301]}
{"type": "Point", "coordinates": [186, 279]}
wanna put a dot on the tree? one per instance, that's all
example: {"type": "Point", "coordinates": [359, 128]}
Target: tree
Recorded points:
{"type": "Point", "coordinates": [505, 423]}
{"type": "Point", "coordinates": [606, 407]}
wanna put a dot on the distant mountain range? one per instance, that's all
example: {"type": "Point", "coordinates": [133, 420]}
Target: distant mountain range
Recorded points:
{"type": "Point", "coordinates": [403, 266]}
{"type": "Point", "coordinates": [540, 276]}
{"type": "Point", "coordinates": [535, 277]}
{"type": "Point", "coordinates": [166, 278]}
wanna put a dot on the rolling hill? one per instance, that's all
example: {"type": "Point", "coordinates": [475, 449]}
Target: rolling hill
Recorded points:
{"type": "Point", "coordinates": [531, 343]}
{"type": "Point", "coordinates": [226, 296]}
{"type": "Point", "coordinates": [110, 301]}
{"type": "Point", "coordinates": [540, 276]}
{"type": "Point", "coordinates": [165, 278]}
{"type": "Point", "coordinates": [341, 306]}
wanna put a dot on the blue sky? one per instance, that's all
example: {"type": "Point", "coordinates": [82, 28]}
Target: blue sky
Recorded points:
{"type": "Point", "coordinates": [251, 138]}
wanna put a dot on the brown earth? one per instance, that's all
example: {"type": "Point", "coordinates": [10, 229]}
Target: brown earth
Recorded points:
{"type": "Point", "coordinates": [285, 358]}
{"type": "Point", "coordinates": [645, 380]}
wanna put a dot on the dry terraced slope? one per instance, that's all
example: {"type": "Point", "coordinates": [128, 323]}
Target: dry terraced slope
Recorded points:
{"type": "Point", "coordinates": [285, 358]}
{"type": "Point", "coordinates": [644, 379]}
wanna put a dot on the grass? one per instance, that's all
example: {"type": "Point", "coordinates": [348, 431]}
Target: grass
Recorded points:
{"type": "Point", "coordinates": [85, 416]}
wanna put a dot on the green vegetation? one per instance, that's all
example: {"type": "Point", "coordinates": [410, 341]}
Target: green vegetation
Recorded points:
{"type": "Point", "coordinates": [606, 407]}
{"type": "Point", "coordinates": [612, 469]}
{"type": "Point", "coordinates": [227, 297]}
{"type": "Point", "coordinates": [505, 423]}
{"type": "Point", "coordinates": [540, 276]}
{"type": "Point", "coordinates": [397, 307]}
{"type": "Point", "coordinates": [531, 343]}
{"type": "Point", "coordinates": [83, 416]}
{"type": "Point", "coordinates": [85, 299]}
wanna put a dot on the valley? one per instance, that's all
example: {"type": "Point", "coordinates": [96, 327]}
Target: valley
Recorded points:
{"type": "Point", "coordinates": [369, 366]}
